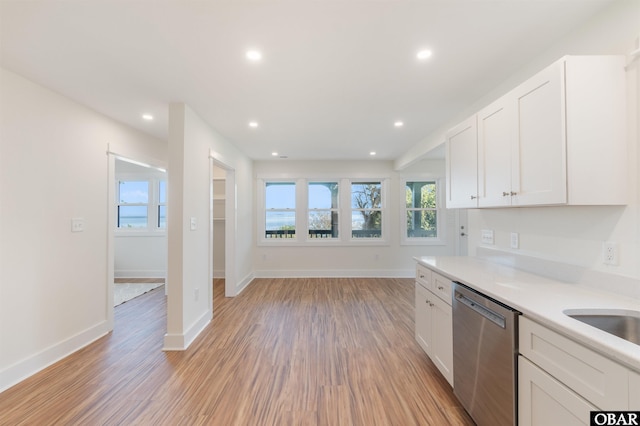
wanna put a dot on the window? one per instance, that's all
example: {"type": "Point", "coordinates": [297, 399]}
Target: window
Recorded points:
{"type": "Point", "coordinates": [323, 209]}
{"type": "Point", "coordinates": [142, 204]}
{"type": "Point", "coordinates": [162, 204]}
{"type": "Point", "coordinates": [366, 209]}
{"type": "Point", "coordinates": [421, 210]}
{"type": "Point", "coordinates": [133, 205]}
{"type": "Point", "coordinates": [280, 210]}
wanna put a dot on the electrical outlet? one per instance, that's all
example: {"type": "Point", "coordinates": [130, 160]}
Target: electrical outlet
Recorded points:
{"type": "Point", "coordinates": [610, 253]}
{"type": "Point", "coordinates": [515, 240]}
{"type": "Point", "coordinates": [487, 236]}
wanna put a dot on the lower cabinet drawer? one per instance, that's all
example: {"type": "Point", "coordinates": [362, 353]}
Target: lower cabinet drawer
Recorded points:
{"type": "Point", "coordinates": [441, 287]}
{"type": "Point", "coordinates": [599, 380]}
{"type": "Point", "coordinates": [544, 401]}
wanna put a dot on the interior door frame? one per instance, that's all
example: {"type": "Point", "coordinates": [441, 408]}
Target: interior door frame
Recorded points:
{"type": "Point", "coordinates": [111, 219]}
{"type": "Point", "coordinates": [216, 159]}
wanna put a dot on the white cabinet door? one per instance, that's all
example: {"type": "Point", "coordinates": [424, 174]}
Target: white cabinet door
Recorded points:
{"type": "Point", "coordinates": [541, 153]}
{"type": "Point", "coordinates": [496, 135]}
{"type": "Point", "coordinates": [462, 165]}
{"type": "Point", "coordinates": [423, 301]}
{"type": "Point", "coordinates": [543, 401]}
{"type": "Point", "coordinates": [442, 338]}
{"type": "Point", "coordinates": [634, 391]}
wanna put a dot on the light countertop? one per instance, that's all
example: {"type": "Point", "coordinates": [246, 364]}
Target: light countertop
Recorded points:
{"type": "Point", "coordinates": [544, 300]}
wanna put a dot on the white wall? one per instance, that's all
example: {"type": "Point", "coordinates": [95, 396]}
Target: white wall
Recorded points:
{"type": "Point", "coordinates": [53, 167]}
{"type": "Point", "coordinates": [191, 141]}
{"type": "Point", "coordinates": [393, 259]}
{"type": "Point", "coordinates": [574, 235]}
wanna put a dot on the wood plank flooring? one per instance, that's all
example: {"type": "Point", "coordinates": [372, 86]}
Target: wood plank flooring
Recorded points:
{"type": "Point", "coordinates": [284, 352]}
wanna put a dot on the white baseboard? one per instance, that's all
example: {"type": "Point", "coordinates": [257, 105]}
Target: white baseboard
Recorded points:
{"type": "Point", "coordinates": [218, 273]}
{"type": "Point", "coordinates": [180, 342]}
{"type": "Point", "coordinates": [345, 273]}
{"type": "Point", "coordinates": [19, 371]}
{"type": "Point", "coordinates": [244, 283]}
{"type": "Point", "coordinates": [139, 273]}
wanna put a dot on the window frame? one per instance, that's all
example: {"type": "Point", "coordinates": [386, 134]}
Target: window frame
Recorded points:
{"type": "Point", "coordinates": [302, 212]}
{"type": "Point", "coordinates": [262, 212]}
{"type": "Point", "coordinates": [383, 212]}
{"type": "Point", "coordinates": [440, 238]}
{"type": "Point", "coordinates": [153, 204]}
{"type": "Point", "coordinates": [331, 210]}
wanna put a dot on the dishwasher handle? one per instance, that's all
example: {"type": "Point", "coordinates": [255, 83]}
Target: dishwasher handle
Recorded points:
{"type": "Point", "coordinates": [485, 312]}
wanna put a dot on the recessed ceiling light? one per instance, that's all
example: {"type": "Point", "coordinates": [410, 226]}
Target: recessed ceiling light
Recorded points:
{"type": "Point", "coordinates": [253, 124]}
{"type": "Point", "coordinates": [372, 153]}
{"type": "Point", "coordinates": [398, 124]}
{"type": "Point", "coordinates": [423, 54]}
{"type": "Point", "coordinates": [275, 154]}
{"type": "Point", "coordinates": [147, 117]}
{"type": "Point", "coordinates": [254, 55]}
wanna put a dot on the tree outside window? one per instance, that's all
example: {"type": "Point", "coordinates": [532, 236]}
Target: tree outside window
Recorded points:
{"type": "Point", "coordinates": [366, 209]}
{"type": "Point", "coordinates": [421, 209]}
{"type": "Point", "coordinates": [323, 209]}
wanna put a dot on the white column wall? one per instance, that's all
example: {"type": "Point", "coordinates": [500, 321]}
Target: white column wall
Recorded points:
{"type": "Point", "coordinates": [190, 142]}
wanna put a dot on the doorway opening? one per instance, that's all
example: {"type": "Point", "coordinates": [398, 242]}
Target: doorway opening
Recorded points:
{"type": "Point", "coordinates": [218, 198]}
{"type": "Point", "coordinates": [137, 231]}
{"type": "Point", "coordinates": [222, 258]}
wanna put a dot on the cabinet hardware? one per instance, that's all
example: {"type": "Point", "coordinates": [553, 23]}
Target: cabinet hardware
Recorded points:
{"type": "Point", "coordinates": [440, 288]}
{"type": "Point", "coordinates": [505, 194]}
{"type": "Point", "coordinates": [473, 197]}
{"type": "Point", "coordinates": [513, 193]}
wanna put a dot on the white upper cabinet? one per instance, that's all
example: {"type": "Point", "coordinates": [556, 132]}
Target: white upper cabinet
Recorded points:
{"type": "Point", "coordinates": [540, 143]}
{"type": "Point", "coordinates": [496, 136]}
{"type": "Point", "coordinates": [462, 165]}
{"type": "Point", "coordinates": [558, 138]}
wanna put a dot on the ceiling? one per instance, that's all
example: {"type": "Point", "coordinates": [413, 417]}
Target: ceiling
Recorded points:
{"type": "Point", "coordinates": [334, 77]}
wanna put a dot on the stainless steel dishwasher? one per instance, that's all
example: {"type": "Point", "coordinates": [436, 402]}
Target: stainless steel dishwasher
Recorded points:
{"type": "Point", "coordinates": [485, 355]}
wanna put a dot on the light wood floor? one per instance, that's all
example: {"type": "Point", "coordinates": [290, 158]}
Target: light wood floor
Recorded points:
{"type": "Point", "coordinates": [284, 352]}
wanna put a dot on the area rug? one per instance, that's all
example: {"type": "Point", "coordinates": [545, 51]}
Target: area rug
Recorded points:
{"type": "Point", "coordinates": [124, 292]}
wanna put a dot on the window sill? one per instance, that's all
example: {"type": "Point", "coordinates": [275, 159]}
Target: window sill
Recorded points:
{"type": "Point", "coordinates": [422, 242]}
{"type": "Point", "coordinates": [284, 242]}
{"type": "Point", "coordinates": [141, 233]}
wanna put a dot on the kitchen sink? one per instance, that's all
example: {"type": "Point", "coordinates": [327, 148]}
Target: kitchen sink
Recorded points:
{"type": "Point", "coordinates": [621, 323]}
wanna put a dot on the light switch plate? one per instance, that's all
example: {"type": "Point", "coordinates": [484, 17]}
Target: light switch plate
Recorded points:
{"type": "Point", "coordinates": [193, 223]}
{"type": "Point", "coordinates": [77, 224]}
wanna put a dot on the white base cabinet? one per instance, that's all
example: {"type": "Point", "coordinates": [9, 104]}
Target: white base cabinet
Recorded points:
{"type": "Point", "coordinates": [433, 319]}
{"type": "Point", "coordinates": [560, 381]}
{"type": "Point", "coordinates": [543, 401]}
